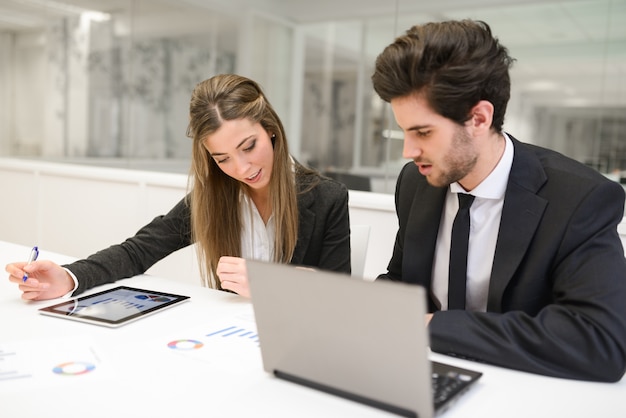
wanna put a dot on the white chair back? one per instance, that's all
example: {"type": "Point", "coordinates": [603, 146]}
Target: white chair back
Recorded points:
{"type": "Point", "coordinates": [359, 240]}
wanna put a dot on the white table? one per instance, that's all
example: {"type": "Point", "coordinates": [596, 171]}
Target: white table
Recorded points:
{"type": "Point", "coordinates": [137, 375]}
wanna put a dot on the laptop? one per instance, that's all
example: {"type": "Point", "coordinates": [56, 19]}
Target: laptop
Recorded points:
{"type": "Point", "coordinates": [362, 340]}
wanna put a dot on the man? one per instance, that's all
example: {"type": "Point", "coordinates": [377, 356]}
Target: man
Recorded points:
{"type": "Point", "coordinates": [546, 274]}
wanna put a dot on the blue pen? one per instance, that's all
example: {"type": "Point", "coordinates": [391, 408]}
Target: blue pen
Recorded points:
{"type": "Point", "coordinates": [34, 253]}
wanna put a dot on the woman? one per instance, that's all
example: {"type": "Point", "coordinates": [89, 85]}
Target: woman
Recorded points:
{"type": "Point", "coordinates": [249, 199]}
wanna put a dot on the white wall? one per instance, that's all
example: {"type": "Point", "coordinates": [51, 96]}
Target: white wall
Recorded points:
{"type": "Point", "coordinates": [76, 210]}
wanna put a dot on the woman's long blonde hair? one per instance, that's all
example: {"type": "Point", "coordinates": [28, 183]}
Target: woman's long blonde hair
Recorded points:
{"type": "Point", "coordinates": [216, 225]}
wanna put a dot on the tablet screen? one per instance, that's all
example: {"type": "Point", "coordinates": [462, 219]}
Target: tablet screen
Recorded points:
{"type": "Point", "coordinates": [115, 306]}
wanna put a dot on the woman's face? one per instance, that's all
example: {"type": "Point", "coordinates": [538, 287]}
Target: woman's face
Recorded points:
{"type": "Point", "coordinates": [243, 150]}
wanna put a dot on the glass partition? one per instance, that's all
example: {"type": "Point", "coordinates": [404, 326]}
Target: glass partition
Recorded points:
{"type": "Point", "coordinates": [109, 82]}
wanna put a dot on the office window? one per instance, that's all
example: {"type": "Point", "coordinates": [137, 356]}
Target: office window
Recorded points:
{"type": "Point", "coordinates": [109, 82]}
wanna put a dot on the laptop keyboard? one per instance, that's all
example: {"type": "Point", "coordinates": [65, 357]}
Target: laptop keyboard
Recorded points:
{"type": "Point", "coordinates": [446, 384]}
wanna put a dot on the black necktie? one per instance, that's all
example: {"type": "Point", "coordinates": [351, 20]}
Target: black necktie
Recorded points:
{"type": "Point", "coordinates": [458, 253]}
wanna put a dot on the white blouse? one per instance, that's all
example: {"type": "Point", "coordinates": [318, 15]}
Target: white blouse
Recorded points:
{"type": "Point", "coordinates": [257, 238]}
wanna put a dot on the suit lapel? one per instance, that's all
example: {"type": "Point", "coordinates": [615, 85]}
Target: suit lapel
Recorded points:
{"type": "Point", "coordinates": [521, 213]}
{"type": "Point", "coordinates": [421, 233]}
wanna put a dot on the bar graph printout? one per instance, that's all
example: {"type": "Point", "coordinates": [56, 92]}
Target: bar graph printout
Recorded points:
{"type": "Point", "coordinates": [225, 343]}
{"type": "Point", "coordinates": [33, 363]}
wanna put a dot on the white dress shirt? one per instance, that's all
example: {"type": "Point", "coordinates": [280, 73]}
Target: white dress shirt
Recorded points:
{"type": "Point", "coordinates": [485, 214]}
{"type": "Point", "coordinates": [257, 238]}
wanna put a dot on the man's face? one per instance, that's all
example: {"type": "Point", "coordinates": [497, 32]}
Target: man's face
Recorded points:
{"type": "Point", "coordinates": [442, 150]}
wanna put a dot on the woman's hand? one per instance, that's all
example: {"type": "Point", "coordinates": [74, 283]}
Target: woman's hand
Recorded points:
{"type": "Point", "coordinates": [46, 280]}
{"type": "Point", "coordinates": [233, 275]}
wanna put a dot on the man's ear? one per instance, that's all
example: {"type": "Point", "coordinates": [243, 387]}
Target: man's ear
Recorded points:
{"type": "Point", "coordinates": [481, 116]}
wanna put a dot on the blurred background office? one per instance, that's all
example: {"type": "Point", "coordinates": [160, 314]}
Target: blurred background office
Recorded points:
{"type": "Point", "coordinates": [108, 82]}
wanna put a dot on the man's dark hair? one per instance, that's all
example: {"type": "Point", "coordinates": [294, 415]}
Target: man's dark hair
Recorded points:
{"type": "Point", "coordinates": [453, 64]}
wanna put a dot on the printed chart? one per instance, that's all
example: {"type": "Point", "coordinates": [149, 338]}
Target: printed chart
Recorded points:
{"type": "Point", "coordinates": [231, 344]}
{"type": "Point", "coordinates": [28, 364]}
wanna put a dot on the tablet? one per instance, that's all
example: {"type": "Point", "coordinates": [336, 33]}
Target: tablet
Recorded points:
{"type": "Point", "coordinates": [114, 307]}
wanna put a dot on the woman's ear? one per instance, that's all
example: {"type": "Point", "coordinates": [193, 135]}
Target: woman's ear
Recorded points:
{"type": "Point", "coordinates": [273, 138]}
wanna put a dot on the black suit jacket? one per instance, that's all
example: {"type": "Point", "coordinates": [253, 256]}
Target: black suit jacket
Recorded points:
{"type": "Point", "coordinates": [557, 294]}
{"type": "Point", "coordinates": [323, 237]}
